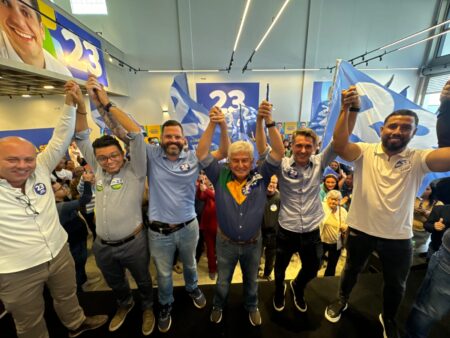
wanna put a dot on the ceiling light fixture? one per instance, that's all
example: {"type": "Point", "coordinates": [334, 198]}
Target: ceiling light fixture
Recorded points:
{"type": "Point", "coordinates": [49, 87]}
{"type": "Point", "coordinates": [183, 71]}
{"type": "Point", "coordinates": [423, 40]}
{"type": "Point", "coordinates": [247, 5]}
{"type": "Point", "coordinates": [265, 35]}
{"type": "Point", "coordinates": [285, 70]}
{"type": "Point", "coordinates": [26, 95]}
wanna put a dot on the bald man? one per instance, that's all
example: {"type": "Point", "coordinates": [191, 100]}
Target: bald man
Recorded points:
{"type": "Point", "coordinates": [33, 245]}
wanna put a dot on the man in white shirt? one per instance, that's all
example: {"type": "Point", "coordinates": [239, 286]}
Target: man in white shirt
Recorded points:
{"type": "Point", "coordinates": [33, 244]}
{"type": "Point", "coordinates": [381, 215]}
{"type": "Point", "coordinates": [23, 33]}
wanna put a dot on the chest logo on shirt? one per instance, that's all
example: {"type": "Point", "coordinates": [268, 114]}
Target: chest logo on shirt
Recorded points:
{"type": "Point", "coordinates": [292, 173]}
{"type": "Point", "coordinates": [185, 167]}
{"type": "Point", "coordinates": [403, 165]}
{"type": "Point", "coordinates": [116, 183]}
{"type": "Point", "coordinates": [273, 208]}
{"type": "Point", "coordinates": [99, 185]}
{"type": "Point", "coordinates": [40, 189]}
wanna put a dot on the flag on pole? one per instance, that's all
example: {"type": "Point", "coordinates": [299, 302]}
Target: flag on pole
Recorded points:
{"type": "Point", "coordinates": [377, 102]}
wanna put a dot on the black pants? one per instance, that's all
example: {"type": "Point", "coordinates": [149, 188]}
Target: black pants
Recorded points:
{"type": "Point", "coordinates": [269, 246]}
{"type": "Point", "coordinates": [395, 256]}
{"type": "Point", "coordinates": [333, 257]}
{"type": "Point", "coordinates": [309, 247]}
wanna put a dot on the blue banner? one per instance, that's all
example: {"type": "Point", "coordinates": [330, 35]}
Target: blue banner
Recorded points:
{"type": "Point", "coordinates": [377, 102]}
{"type": "Point", "coordinates": [39, 137]}
{"type": "Point", "coordinates": [319, 106]}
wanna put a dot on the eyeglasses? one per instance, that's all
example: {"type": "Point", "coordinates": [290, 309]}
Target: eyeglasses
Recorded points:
{"type": "Point", "coordinates": [29, 208]}
{"type": "Point", "coordinates": [103, 159]}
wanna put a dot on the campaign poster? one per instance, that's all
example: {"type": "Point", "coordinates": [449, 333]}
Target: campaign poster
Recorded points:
{"type": "Point", "coordinates": [238, 101]}
{"type": "Point", "coordinates": [36, 39]}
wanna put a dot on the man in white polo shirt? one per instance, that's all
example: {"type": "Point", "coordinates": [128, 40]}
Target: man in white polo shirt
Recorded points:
{"type": "Point", "coordinates": [33, 244]}
{"type": "Point", "coordinates": [387, 177]}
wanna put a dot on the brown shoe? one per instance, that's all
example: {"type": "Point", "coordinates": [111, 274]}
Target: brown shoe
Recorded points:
{"type": "Point", "coordinates": [90, 323]}
{"type": "Point", "coordinates": [120, 316]}
{"type": "Point", "coordinates": [148, 322]}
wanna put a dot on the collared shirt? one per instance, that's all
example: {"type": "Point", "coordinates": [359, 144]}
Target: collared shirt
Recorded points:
{"type": "Point", "coordinates": [301, 209]}
{"type": "Point", "coordinates": [240, 222]}
{"type": "Point", "coordinates": [171, 185]}
{"type": "Point", "coordinates": [118, 197]}
{"type": "Point", "coordinates": [28, 239]}
{"type": "Point", "coordinates": [384, 191]}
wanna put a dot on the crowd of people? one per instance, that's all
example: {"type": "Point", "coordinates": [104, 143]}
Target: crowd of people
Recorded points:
{"type": "Point", "coordinates": [161, 201]}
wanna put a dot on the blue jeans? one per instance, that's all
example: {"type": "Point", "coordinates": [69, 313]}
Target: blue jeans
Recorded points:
{"type": "Point", "coordinates": [433, 299]}
{"type": "Point", "coordinates": [134, 256]}
{"type": "Point", "coordinates": [228, 254]}
{"type": "Point", "coordinates": [395, 256]}
{"type": "Point", "coordinates": [162, 249]}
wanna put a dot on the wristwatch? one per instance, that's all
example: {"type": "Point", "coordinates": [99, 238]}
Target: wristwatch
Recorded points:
{"type": "Point", "coordinates": [108, 106]}
{"type": "Point", "coordinates": [270, 125]}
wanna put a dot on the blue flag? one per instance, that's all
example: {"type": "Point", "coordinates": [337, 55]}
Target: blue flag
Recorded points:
{"type": "Point", "coordinates": [193, 116]}
{"type": "Point", "coordinates": [377, 102]}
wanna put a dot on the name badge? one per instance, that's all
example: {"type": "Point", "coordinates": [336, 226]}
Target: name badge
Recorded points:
{"type": "Point", "coordinates": [116, 183]}
{"type": "Point", "coordinates": [185, 167]}
{"type": "Point", "coordinates": [403, 165]}
{"type": "Point", "coordinates": [292, 173]}
{"type": "Point", "coordinates": [273, 208]}
{"type": "Point", "coordinates": [99, 185]}
{"type": "Point", "coordinates": [40, 188]}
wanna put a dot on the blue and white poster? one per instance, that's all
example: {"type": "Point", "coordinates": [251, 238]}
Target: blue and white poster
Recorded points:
{"type": "Point", "coordinates": [238, 101]}
{"type": "Point", "coordinates": [39, 137]}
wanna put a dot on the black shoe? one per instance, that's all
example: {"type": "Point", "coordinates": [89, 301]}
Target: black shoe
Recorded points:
{"type": "Point", "coordinates": [389, 327]}
{"type": "Point", "coordinates": [90, 323]}
{"type": "Point", "coordinates": [164, 318]}
{"type": "Point", "coordinates": [278, 299]}
{"type": "Point", "coordinates": [299, 300]}
{"type": "Point", "coordinates": [333, 311]}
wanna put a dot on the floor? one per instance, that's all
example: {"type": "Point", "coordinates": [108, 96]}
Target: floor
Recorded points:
{"type": "Point", "coordinates": [97, 283]}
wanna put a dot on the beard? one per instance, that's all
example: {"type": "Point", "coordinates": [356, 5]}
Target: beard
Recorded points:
{"type": "Point", "coordinates": [171, 151]}
{"type": "Point", "coordinates": [394, 146]}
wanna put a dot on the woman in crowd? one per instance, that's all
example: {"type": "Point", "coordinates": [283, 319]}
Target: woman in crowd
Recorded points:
{"type": "Point", "coordinates": [332, 229]}
{"type": "Point", "coordinates": [330, 182]}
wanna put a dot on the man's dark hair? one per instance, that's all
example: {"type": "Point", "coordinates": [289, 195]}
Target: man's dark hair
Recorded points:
{"type": "Point", "coordinates": [106, 141]}
{"type": "Point", "coordinates": [34, 4]}
{"type": "Point", "coordinates": [403, 112]}
{"type": "Point", "coordinates": [171, 123]}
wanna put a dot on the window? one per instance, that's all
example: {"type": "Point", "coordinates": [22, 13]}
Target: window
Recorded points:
{"type": "Point", "coordinates": [433, 92]}
{"type": "Point", "coordinates": [89, 7]}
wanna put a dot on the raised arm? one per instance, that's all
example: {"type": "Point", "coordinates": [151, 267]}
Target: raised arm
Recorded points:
{"type": "Point", "coordinates": [215, 117]}
{"type": "Point", "coordinates": [344, 126]}
{"type": "Point", "coordinates": [265, 113]}
{"type": "Point", "coordinates": [439, 159]}
{"type": "Point", "coordinates": [98, 94]}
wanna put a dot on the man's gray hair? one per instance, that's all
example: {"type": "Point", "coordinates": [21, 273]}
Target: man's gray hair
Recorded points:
{"type": "Point", "coordinates": [240, 147]}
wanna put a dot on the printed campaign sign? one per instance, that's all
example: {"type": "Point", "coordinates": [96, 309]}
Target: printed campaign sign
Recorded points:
{"type": "Point", "coordinates": [29, 33]}
{"type": "Point", "coordinates": [39, 137]}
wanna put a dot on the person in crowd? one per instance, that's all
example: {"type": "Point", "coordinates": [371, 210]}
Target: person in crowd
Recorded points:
{"type": "Point", "coordinates": [199, 206]}
{"type": "Point", "coordinates": [121, 241]}
{"type": "Point", "coordinates": [433, 298]}
{"type": "Point", "coordinates": [269, 227]}
{"type": "Point", "coordinates": [88, 211]}
{"type": "Point", "coordinates": [381, 219]}
{"type": "Point", "coordinates": [77, 174]}
{"type": "Point", "coordinates": [287, 148]}
{"type": "Point", "coordinates": [332, 229]}
{"type": "Point", "coordinates": [347, 191]}
{"type": "Point", "coordinates": [208, 222]}
{"type": "Point", "coordinates": [422, 209]}
{"type": "Point", "coordinates": [301, 213]}
{"type": "Point", "coordinates": [330, 182]}
{"type": "Point", "coordinates": [75, 154]}
{"type": "Point", "coordinates": [23, 35]}
{"type": "Point", "coordinates": [240, 200]}
{"type": "Point", "coordinates": [74, 225]}
{"type": "Point", "coordinates": [172, 173]}
{"type": "Point", "coordinates": [69, 165]}
{"type": "Point", "coordinates": [33, 245]}
{"type": "Point", "coordinates": [436, 224]}
{"type": "Point", "coordinates": [61, 174]}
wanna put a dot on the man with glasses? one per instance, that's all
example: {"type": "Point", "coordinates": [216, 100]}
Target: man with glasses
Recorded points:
{"type": "Point", "coordinates": [33, 245]}
{"type": "Point", "coordinates": [121, 241]}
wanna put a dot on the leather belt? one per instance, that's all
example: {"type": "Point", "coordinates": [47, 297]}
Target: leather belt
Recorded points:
{"type": "Point", "coordinates": [166, 228]}
{"type": "Point", "coordinates": [124, 240]}
{"type": "Point", "coordinates": [249, 241]}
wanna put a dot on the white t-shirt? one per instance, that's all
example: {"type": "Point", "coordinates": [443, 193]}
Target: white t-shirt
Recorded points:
{"type": "Point", "coordinates": [384, 191]}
